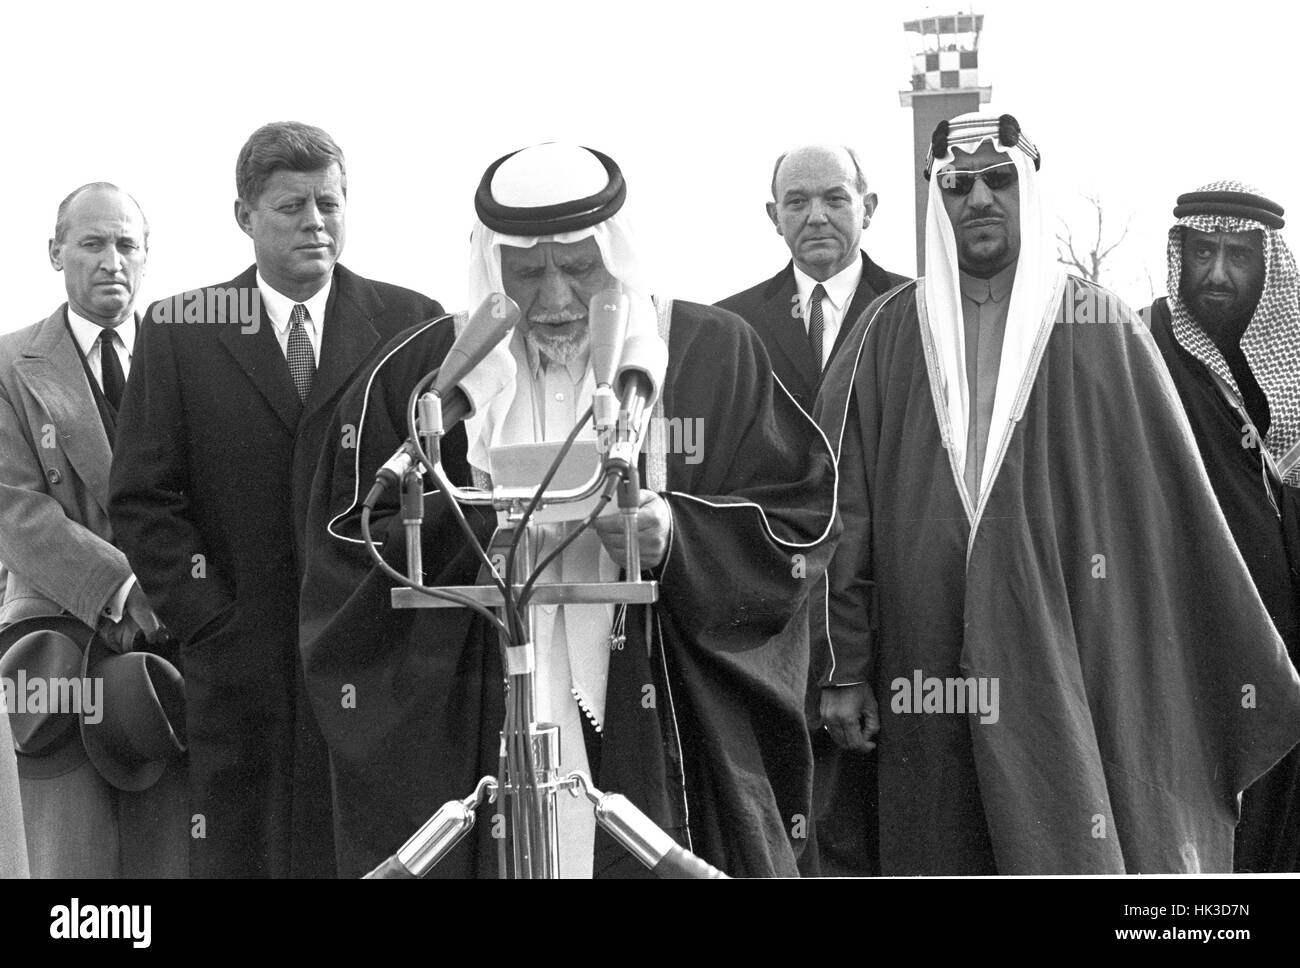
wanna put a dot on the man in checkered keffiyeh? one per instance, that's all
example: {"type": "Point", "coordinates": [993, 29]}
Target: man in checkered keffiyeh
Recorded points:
{"type": "Point", "coordinates": [1230, 334]}
{"type": "Point", "coordinates": [1243, 336]}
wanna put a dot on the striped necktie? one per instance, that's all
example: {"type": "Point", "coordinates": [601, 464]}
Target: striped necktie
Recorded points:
{"type": "Point", "coordinates": [302, 361]}
{"type": "Point", "coordinates": [816, 323]}
{"type": "Point", "coordinates": [110, 368]}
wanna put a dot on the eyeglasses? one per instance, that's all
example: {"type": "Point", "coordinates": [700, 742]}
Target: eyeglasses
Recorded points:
{"type": "Point", "coordinates": [952, 181]}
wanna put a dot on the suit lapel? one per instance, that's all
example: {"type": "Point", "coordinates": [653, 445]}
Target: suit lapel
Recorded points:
{"type": "Point", "coordinates": [788, 332]}
{"type": "Point", "coordinates": [874, 282]}
{"type": "Point", "coordinates": [260, 357]}
{"type": "Point", "coordinates": [51, 369]}
{"type": "Point", "coordinates": [348, 336]}
{"type": "Point", "coordinates": [880, 280]}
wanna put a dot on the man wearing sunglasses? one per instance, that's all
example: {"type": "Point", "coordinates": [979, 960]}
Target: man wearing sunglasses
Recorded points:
{"type": "Point", "coordinates": [1035, 603]}
{"type": "Point", "coordinates": [1230, 333]}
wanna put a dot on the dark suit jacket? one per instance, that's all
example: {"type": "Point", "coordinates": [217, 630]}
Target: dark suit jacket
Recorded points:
{"type": "Point", "coordinates": [768, 308]}
{"type": "Point", "coordinates": [211, 478]}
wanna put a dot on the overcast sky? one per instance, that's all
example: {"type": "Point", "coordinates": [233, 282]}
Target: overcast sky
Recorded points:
{"type": "Point", "coordinates": [1133, 102]}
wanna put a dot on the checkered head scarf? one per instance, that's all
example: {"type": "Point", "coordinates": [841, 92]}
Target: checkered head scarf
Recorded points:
{"type": "Point", "coordinates": [1271, 342]}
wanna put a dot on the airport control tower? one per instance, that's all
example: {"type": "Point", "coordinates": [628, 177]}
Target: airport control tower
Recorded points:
{"type": "Point", "coordinates": [945, 83]}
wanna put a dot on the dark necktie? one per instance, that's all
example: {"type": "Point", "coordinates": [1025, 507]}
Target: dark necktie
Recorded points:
{"type": "Point", "coordinates": [302, 361]}
{"type": "Point", "coordinates": [110, 368]}
{"type": "Point", "coordinates": [816, 323]}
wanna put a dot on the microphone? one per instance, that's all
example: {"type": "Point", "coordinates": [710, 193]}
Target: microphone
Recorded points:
{"type": "Point", "coordinates": [607, 316]}
{"type": "Point", "coordinates": [392, 471]}
{"type": "Point", "coordinates": [495, 317]}
{"type": "Point", "coordinates": [447, 403]}
{"type": "Point", "coordinates": [645, 359]}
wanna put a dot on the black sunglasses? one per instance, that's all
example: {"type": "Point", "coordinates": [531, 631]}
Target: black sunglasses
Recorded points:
{"type": "Point", "coordinates": [996, 177]}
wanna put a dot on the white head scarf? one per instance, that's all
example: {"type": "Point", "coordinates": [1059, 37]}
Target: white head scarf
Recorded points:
{"type": "Point", "coordinates": [546, 175]}
{"type": "Point", "coordinates": [1036, 291]}
{"type": "Point", "coordinates": [572, 641]}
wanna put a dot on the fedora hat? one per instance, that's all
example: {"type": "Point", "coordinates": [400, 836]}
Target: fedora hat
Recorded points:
{"type": "Point", "coordinates": [43, 649]}
{"type": "Point", "coordinates": [141, 727]}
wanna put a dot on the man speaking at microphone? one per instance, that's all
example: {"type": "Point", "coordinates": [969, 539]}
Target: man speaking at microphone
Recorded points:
{"type": "Point", "coordinates": [692, 708]}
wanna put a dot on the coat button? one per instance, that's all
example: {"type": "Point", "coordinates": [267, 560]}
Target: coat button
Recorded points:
{"type": "Point", "coordinates": [53, 475]}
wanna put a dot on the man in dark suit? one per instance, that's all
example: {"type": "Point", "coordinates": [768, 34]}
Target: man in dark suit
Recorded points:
{"type": "Point", "coordinates": [61, 382]}
{"type": "Point", "coordinates": [218, 441]}
{"type": "Point", "coordinates": [820, 205]}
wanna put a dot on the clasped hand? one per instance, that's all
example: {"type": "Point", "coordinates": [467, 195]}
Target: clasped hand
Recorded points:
{"type": "Point", "coordinates": [851, 716]}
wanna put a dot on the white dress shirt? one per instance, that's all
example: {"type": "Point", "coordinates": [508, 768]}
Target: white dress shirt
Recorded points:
{"type": "Point", "coordinates": [279, 310]}
{"type": "Point", "coordinates": [87, 333]}
{"type": "Point", "coordinates": [839, 293]}
{"type": "Point", "coordinates": [558, 388]}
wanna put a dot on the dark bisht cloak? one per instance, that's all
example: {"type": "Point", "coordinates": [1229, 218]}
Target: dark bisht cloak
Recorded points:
{"type": "Point", "coordinates": [704, 726]}
{"type": "Point", "coordinates": [1141, 684]}
{"type": "Point", "coordinates": [1268, 535]}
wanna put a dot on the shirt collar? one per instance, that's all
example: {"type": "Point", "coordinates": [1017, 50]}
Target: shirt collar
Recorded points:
{"type": "Point", "coordinates": [839, 287]}
{"type": "Point", "coordinates": [279, 307]}
{"type": "Point", "coordinates": [86, 333]}
{"type": "Point", "coordinates": [996, 287]}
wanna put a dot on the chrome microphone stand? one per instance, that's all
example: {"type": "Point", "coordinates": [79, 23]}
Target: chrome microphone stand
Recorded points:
{"type": "Point", "coordinates": [529, 782]}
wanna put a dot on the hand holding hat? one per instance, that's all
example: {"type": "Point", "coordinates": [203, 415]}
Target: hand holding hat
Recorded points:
{"type": "Point", "coordinates": [138, 619]}
{"type": "Point", "coordinates": [136, 727]}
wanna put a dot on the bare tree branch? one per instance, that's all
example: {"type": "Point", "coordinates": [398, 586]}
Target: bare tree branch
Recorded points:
{"type": "Point", "coordinates": [1069, 257]}
{"type": "Point", "coordinates": [1116, 245]}
{"type": "Point", "coordinates": [1090, 263]}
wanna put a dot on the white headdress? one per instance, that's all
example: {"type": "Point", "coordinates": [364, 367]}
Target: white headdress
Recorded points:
{"type": "Point", "coordinates": [548, 193]}
{"type": "Point", "coordinates": [1035, 291]}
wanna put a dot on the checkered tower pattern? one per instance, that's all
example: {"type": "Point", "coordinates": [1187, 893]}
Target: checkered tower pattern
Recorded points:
{"type": "Point", "coordinates": [945, 70]}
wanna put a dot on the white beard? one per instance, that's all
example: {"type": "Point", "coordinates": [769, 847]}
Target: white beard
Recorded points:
{"type": "Point", "coordinates": [562, 350]}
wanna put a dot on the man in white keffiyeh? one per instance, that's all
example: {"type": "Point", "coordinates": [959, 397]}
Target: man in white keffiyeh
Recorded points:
{"type": "Point", "coordinates": [1230, 334]}
{"type": "Point", "coordinates": [1025, 512]}
{"type": "Point", "coordinates": [692, 708]}
{"type": "Point", "coordinates": [552, 270]}
{"type": "Point", "coordinates": [989, 280]}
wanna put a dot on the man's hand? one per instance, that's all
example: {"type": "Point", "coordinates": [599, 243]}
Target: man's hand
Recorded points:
{"type": "Point", "coordinates": [120, 636]}
{"type": "Point", "coordinates": [137, 616]}
{"type": "Point", "coordinates": [850, 715]}
{"type": "Point", "coordinates": [653, 526]}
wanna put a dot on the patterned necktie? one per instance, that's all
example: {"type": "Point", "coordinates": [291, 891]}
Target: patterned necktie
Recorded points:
{"type": "Point", "coordinates": [302, 361]}
{"type": "Point", "coordinates": [816, 323]}
{"type": "Point", "coordinates": [110, 368]}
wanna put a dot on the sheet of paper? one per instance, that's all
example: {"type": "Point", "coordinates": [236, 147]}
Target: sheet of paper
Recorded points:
{"type": "Point", "coordinates": [524, 465]}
